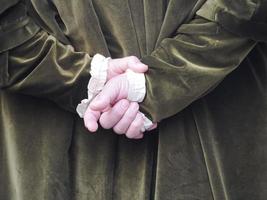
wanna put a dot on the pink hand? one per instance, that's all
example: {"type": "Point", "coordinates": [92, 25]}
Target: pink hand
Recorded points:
{"type": "Point", "coordinates": [118, 113]}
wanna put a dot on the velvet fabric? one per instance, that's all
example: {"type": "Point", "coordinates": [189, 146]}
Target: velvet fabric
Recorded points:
{"type": "Point", "coordinates": [211, 141]}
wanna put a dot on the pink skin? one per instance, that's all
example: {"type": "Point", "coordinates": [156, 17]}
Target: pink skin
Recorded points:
{"type": "Point", "coordinates": [120, 65]}
{"type": "Point", "coordinates": [117, 112]}
{"type": "Point", "coordinates": [115, 68]}
{"type": "Point", "coordinates": [108, 102]}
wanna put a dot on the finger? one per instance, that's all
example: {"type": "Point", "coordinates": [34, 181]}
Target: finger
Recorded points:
{"type": "Point", "coordinates": [90, 119]}
{"type": "Point", "coordinates": [110, 118]}
{"type": "Point", "coordinates": [104, 99]}
{"type": "Point", "coordinates": [114, 90]}
{"type": "Point", "coordinates": [137, 67]}
{"type": "Point", "coordinates": [134, 130]}
{"type": "Point", "coordinates": [120, 65]}
{"type": "Point", "coordinates": [122, 126]}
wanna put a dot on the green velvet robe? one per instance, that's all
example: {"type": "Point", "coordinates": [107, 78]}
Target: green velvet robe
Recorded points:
{"type": "Point", "coordinates": [212, 148]}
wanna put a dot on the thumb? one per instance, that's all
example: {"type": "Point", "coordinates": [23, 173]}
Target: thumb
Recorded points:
{"type": "Point", "coordinates": [120, 65]}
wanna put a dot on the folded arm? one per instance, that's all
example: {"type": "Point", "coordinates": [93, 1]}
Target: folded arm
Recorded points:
{"type": "Point", "coordinates": [204, 51]}
{"type": "Point", "coordinates": [43, 67]}
{"type": "Point", "coordinates": [189, 65]}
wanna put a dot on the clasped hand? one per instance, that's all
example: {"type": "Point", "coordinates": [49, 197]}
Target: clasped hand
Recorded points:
{"type": "Point", "coordinates": [111, 108]}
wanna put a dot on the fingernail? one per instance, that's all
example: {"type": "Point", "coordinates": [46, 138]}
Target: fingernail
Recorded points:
{"type": "Point", "coordinates": [142, 65]}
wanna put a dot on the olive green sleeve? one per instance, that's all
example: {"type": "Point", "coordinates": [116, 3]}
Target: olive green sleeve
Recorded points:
{"type": "Point", "coordinates": [187, 66]}
{"type": "Point", "coordinates": [246, 18]}
{"type": "Point", "coordinates": [43, 67]}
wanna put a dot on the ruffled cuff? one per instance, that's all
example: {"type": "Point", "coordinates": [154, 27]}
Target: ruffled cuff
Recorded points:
{"type": "Point", "coordinates": [137, 92]}
{"type": "Point", "coordinates": [99, 67]}
{"type": "Point", "coordinates": [147, 123]}
{"type": "Point", "coordinates": [137, 86]}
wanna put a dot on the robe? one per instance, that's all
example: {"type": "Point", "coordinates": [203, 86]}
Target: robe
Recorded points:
{"type": "Point", "coordinates": [206, 85]}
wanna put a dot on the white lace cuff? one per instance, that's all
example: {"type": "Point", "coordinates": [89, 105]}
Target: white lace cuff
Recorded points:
{"type": "Point", "coordinates": [137, 86]}
{"type": "Point", "coordinates": [147, 123]}
{"type": "Point", "coordinates": [137, 92]}
{"type": "Point", "coordinates": [99, 66]}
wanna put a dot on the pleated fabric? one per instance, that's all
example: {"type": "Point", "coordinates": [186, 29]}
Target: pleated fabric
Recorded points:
{"type": "Point", "coordinates": [211, 142]}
